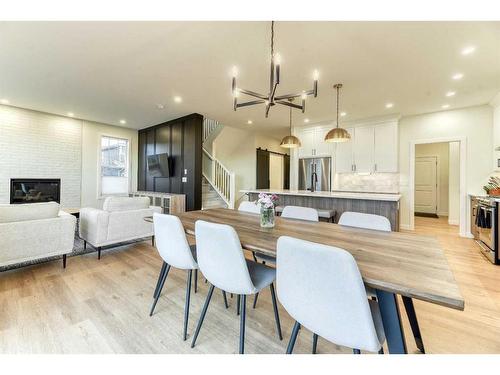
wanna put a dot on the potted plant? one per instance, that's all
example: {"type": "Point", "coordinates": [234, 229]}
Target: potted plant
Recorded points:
{"type": "Point", "coordinates": [267, 203]}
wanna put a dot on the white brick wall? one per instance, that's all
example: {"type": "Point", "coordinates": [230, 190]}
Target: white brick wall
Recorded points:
{"type": "Point", "coordinates": [40, 145]}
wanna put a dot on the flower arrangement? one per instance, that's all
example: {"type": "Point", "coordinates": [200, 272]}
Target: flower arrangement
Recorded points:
{"type": "Point", "coordinates": [267, 200]}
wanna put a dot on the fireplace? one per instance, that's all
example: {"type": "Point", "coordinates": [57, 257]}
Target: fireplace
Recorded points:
{"type": "Point", "coordinates": [35, 190]}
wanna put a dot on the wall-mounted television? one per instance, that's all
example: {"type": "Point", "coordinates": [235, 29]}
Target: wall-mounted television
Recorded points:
{"type": "Point", "coordinates": [159, 165]}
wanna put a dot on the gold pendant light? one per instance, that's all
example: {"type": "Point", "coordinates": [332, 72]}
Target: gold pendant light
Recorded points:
{"type": "Point", "coordinates": [290, 141]}
{"type": "Point", "coordinates": [337, 134]}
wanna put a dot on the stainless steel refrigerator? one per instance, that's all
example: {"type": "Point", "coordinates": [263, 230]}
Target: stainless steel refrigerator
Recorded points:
{"type": "Point", "coordinates": [323, 169]}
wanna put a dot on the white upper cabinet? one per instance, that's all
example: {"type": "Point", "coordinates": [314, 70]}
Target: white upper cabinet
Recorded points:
{"type": "Point", "coordinates": [364, 145]}
{"type": "Point", "coordinates": [344, 155]}
{"type": "Point", "coordinates": [386, 148]}
{"type": "Point", "coordinates": [313, 142]}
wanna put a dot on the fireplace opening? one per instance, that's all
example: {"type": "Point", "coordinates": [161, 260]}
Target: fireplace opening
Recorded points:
{"type": "Point", "coordinates": [35, 190]}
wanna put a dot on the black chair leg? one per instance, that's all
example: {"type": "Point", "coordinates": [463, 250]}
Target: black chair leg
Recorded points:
{"type": "Point", "coordinates": [356, 351]}
{"type": "Point", "coordinates": [293, 337]}
{"type": "Point", "coordinates": [165, 274]}
{"type": "Point", "coordinates": [202, 316]}
{"type": "Point", "coordinates": [315, 343]}
{"type": "Point", "coordinates": [255, 300]}
{"type": "Point", "coordinates": [225, 299]}
{"type": "Point", "coordinates": [238, 302]}
{"type": "Point", "coordinates": [412, 317]}
{"type": "Point", "coordinates": [196, 281]}
{"type": "Point", "coordinates": [186, 308]}
{"type": "Point", "coordinates": [276, 314]}
{"type": "Point", "coordinates": [64, 260]}
{"type": "Point", "coordinates": [254, 257]}
{"type": "Point", "coordinates": [160, 277]}
{"type": "Point", "coordinates": [152, 240]}
{"type": "Point", "coordinates": [99, 253]}
{"type": "Point", "coordinates": [84, 245]}
{"type": "Point", "coordinates": [381, 351]}
{"type": "Point", "coordinates": [242, 323]}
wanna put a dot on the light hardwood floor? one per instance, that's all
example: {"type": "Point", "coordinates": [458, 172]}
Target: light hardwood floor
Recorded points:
{"type": "Point", "coordinates": [102, 307]}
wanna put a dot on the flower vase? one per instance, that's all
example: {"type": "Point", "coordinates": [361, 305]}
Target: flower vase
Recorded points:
{"type": "Point", "coordinates": [267, 217]}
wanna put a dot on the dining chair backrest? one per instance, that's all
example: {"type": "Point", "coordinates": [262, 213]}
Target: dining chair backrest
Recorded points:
{"type": "Point", "coordinates": [321, 288]}
{"type": "Point", "coordinates": [301, 213]}
{"type": "Point", "coordinates": [221, 258]}
{"type": "Point", "coordinates": [251, 207]}
{"type": "Point", "coordinates": [171, 242]}
{"type": "Point", "coordinates": [366, 221]}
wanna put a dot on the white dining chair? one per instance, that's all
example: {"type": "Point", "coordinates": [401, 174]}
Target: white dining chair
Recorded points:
{"type": "Point", "coordinates": [381, 223]}
{"type": "Point", "coordinates": [300, 213]}
{"type": "Point", "coordinates": [366, 221]}
{"type": "Point", "coordinates": [329, 301]}
{"type": "Point", "coordinates": [176, 252]}
{"type": "Point", "coordinates": [223, 263]}
{"type": "Point", "coordinates": [250, 207]}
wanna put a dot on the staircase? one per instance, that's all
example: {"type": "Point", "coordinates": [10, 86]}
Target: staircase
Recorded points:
{"type": "Point", "coordinates": [218, 189]}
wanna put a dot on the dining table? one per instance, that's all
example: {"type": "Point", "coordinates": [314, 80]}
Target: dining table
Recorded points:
{"type": "Point", "coordinates": [391, 263]}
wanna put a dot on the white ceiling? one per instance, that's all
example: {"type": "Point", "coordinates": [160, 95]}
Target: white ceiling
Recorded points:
{"type": "Point", "coordinates": [107, 71]}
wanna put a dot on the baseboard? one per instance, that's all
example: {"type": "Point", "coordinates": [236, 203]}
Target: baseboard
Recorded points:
{"type": "Point", "coordinates": [442, 213]}
{"type": "Point", "coordinates": [405, 226]}
{"type": "Point", "coordinates": [466, 235]}
{"type": "Point", "coordinates": [453, 222]}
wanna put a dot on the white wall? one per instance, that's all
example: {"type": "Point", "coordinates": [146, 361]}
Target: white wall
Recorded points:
{"type": "Point", "coordinates": [454, 183]}
{"type": "Point", "coordinates": [441, 151]}
{"type": "Point", "coordinates": [473, 123]}
{"type": "Point", "coordinates": [495, 103]}
{"type": "Point", "coordinates": [42, 145]}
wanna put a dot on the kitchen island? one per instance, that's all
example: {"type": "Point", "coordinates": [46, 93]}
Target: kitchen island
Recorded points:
{"type": "Point", "coordinates": [384, 204]}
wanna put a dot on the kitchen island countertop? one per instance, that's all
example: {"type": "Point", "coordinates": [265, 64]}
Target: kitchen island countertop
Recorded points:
{"type": "Point", "coordinates": [390, 197]}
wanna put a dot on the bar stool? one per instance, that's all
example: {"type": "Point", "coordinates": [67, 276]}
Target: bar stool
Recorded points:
{"type": "Point", "coordinates": [175, 251]}
{"type": "Point", "coordinates": [331, 302]}
{"type": "Point", "coordinates": [221, 259]}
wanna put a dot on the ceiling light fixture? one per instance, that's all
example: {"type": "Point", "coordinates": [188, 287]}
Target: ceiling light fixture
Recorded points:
{"type": "Point", "coordinates": [71, 114]}
{"type": "Point", "coordinates": [343, 114]}
{"type": "Point", "coordinates": [249, 122]}
{"type": "Point", "coordinates": [468, 50]}
{"type": "Point", "coordinates": [306, 120]}
{"type": "Point", "coordinates": [177, 99]}
{"type": "Point", "coordinates": [4, 101]}
{"type": "Point", "coordinates": [270, 99]}
{"type": "Point", "coordinates": [290, 141]}
{"type": "Point", "coordinates": [123, 122]}
{"type": "Point", "coordinates": [389, 105]}
{"type": "Point", "coordinates": [457, 76]}
{"type": "Point", "coordinates": [160, 106]}
{"type": "Point", "coordinates": [444, 106]}
{"type": "Point", "coordinates": [337, 134]}
{"type": "Point", "coordinates": [450, 93]}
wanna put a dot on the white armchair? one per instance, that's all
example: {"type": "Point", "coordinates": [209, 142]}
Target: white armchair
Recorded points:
{"type": "Point", "coordinates": [121, 219]}
{"type": "Point", "coordinates": [34, 231]}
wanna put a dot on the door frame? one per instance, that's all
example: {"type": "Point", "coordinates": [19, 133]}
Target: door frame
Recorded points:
{"type": "Point", "coordinates": [463, 217]}
{"type": "Point", "coordinates": [438, 185]}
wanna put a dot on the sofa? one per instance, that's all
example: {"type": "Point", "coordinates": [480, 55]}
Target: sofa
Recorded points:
{"type": "Point", "coordinates": [121, 219]}
{"type": "Point", "coordinates": [34, 231]}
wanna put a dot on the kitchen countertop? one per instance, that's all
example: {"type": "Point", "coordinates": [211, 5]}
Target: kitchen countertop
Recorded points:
{"type": "Point", "coordinates": [331, 194]}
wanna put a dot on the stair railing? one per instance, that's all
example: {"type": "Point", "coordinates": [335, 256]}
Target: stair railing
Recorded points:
{"type": "Point", "coordinates": [220, 178]}
{"type": "Point", "coordinates": [208, 127]}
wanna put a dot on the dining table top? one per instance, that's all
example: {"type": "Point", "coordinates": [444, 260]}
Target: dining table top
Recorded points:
{"type": "Point", "coordinates": [402, 263]}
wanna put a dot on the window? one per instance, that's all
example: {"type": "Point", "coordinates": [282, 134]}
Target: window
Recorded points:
{"type": "Point", "coordinates": [114, 166]}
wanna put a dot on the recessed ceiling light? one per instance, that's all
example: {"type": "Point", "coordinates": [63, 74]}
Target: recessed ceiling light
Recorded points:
{"type": "Point", "coordinates": [4, 101]}
{"type": "Point", "coordinates": [450, 93]}
{"type": "Point", "coordinates": [389, 105]}
{"type": "Point", "coordinates": [457, 76]}
{"type": "Point", "coordinates": [343, 114]}
{"type": "Point", "coordinates": [444, 106]}
{"type": "Point", "coordinates": [177, 99]}
{"type": "Point", "coordinates": [306, 120]}
{"type": "Point", "coordinates": [160, 106]}
{"type": "Point", "coordinates": [70, 114]}
{"type": "Point", "coordinates": [468, 50]}
{"type": "Point", "coordinates": [249, 122]}
{"type": "Point", "coordinates": [123, 122]}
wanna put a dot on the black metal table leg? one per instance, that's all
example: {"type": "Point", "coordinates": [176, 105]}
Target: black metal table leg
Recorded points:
{"type": "Point", "coordinates": [412, 317]}
{"type": "Point", "coordinates": [186, 307]}
{"type": "Point", "coordinates": [391, 320]}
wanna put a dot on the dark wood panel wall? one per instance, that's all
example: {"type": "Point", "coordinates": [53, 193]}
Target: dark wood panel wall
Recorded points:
{"type": "Point", "coordinates": [182, 140]}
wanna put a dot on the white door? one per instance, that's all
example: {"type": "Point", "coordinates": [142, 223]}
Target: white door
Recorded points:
{"type": "Point", "coordinates": [426, 184]}
{"type": "Point", "coordinates": [364, 144]}
{"type": "Point", "coordinates": [343, 155]}
{"type": "Point", "coordinates": [275, 171]}
{"type": "Point", "coordinates": [306, 137]}
{"type": "Point", "coordinates": [386, 148]}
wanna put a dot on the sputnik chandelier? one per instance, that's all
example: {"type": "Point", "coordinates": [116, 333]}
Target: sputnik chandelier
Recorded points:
{"type": "Point", "coordinates": [271, 99]}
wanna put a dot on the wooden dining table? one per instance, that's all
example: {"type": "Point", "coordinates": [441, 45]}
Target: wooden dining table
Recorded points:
{"type": "Point", "coordinates": [392, 263]}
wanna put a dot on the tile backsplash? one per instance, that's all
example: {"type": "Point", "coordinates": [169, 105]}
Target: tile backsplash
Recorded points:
{"type": "Point", "coordinates": [376, 182]}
